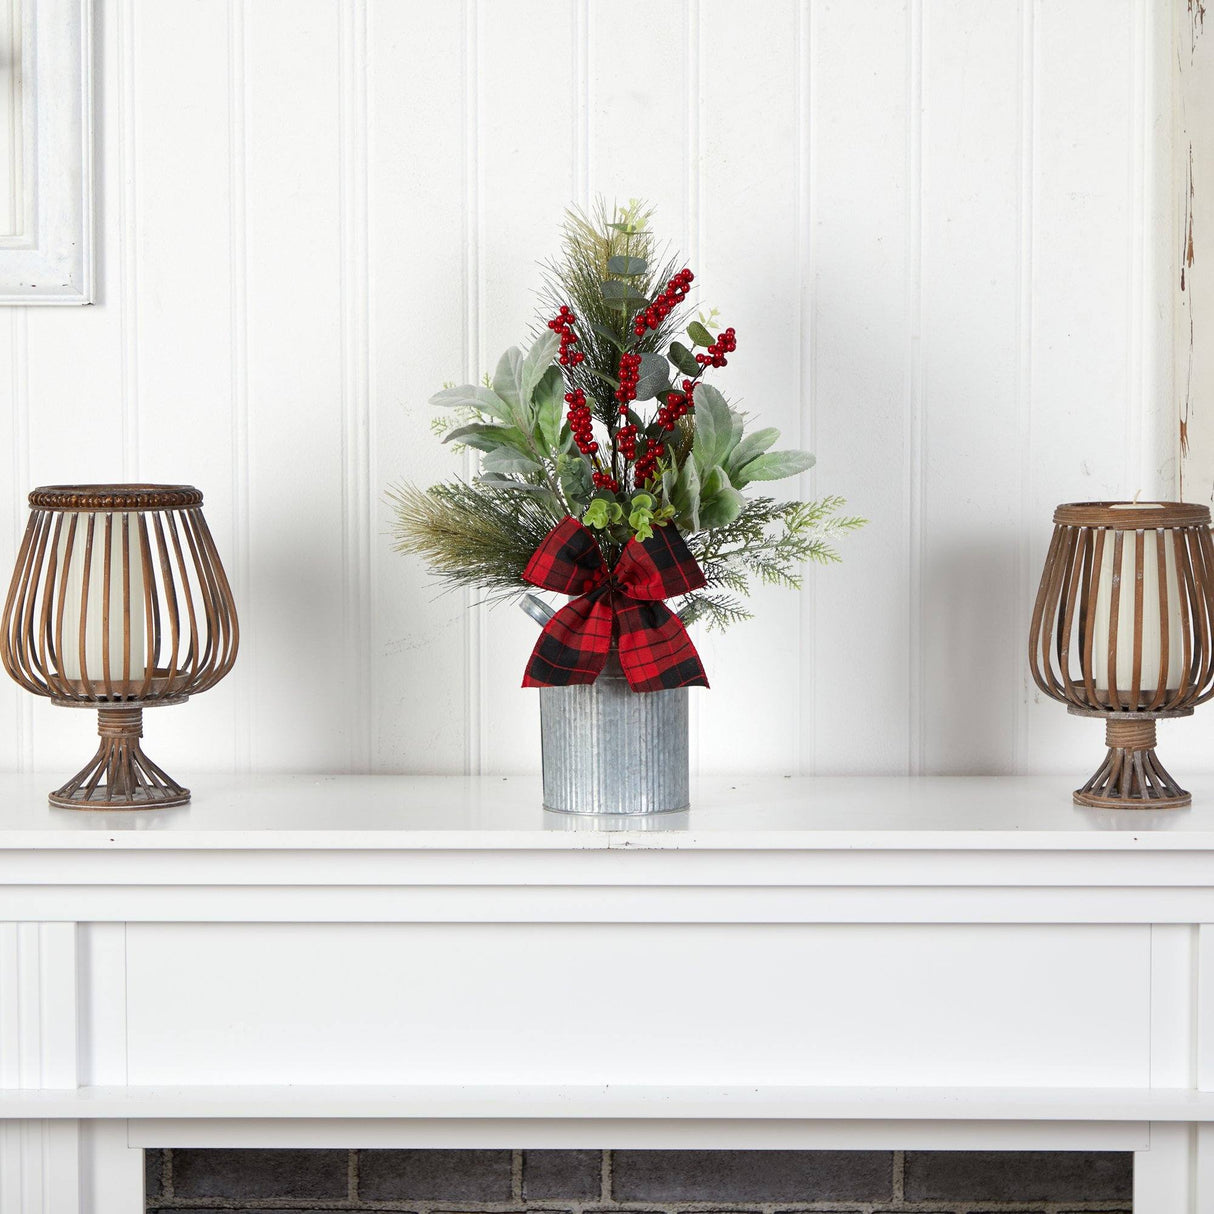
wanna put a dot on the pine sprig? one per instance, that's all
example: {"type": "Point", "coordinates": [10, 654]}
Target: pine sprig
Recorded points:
{"type": "Point", "coordinates": [589, 242]}
{"type": "Point", "coordinates": [771, 541]}
{"type": "Point", "coordinates": [714, 610]}
{"type": "Point", "coordinates": [470, 535]}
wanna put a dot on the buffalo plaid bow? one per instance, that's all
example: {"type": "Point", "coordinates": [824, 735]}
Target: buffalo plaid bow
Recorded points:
{"type": "Point", "coordinates": [655, 650]}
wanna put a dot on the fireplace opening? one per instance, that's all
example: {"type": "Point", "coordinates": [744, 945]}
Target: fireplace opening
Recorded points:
{"type": "Point", "coordinates": [636, 1181]}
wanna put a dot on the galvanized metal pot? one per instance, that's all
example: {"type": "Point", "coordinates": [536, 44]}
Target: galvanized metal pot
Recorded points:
{"type": "Point", "coordinates": [611, 750]}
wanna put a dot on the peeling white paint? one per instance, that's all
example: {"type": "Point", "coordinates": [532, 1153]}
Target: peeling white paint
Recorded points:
{"type": "Point", "coordinates": [1194, 299]}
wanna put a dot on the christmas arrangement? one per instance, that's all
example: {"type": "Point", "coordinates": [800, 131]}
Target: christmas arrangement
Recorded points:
{"type": "Point", "coordinates": [613, 470]}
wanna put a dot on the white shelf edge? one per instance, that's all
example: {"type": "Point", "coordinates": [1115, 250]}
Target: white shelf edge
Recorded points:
{"type": "Point", "coordinates": [291, 1102]}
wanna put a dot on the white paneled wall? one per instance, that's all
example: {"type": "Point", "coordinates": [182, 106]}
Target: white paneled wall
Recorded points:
{"type": "Point", "coordinates": [943, 231]}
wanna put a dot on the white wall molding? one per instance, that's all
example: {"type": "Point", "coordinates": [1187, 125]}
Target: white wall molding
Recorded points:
{"type": "Point", "coordinates": [946, 290]}
{"type": "Point", "coordinates": [39, 1160]}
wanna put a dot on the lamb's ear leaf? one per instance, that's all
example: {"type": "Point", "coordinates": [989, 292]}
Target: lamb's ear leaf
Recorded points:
{"type": "Point", "coordinates": [549, 401]}
{"type": "Point", "coordinates": [508, 384]}
{"type": "Point", "coordinates": [504, 459]}
{"type": "Point", "coordinates": [473, 396]}
{"type": "Point", "coordinates": [485, 437]}
{"type": "Point", "coordinates": [721, 508]}
{"type": "Point", "coordinates": [751, 446]}
{"type": "Point", "coordinates": [536, 362]}
{"type": "Point", "coordinates": [687, 495]}
{"type": "Point", "coordinates": [775, 466]}
{"type": "Point", "coordinates": [714, 427]}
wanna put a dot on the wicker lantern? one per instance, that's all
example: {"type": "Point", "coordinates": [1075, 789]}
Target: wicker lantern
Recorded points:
{"type": "Point", "coordinates": [1123, 629]}
{"type": "Point", "coordinates": [118, 602]}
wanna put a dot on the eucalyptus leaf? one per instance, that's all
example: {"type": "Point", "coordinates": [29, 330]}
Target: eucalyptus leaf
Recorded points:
{"type": "Point", "coordinates": [683, 359]}
{"type": "Point", "coordinates": [608, 335]}
{"type": "Point", "coordinates": [473, 396]}
{"type": "Point", "coordinates": [622, 293]}
{"type": "Point", "coordinates": [504, 459]}
{"type": "Point", "coordinates": [629, 267]}
{"type": "Point", "coordinates": [574, 476]}
{"type": "Point", "coordinates": [699, 334]}
{"type": "Point", "coordinates": [607, 379]}
{"type": "Point", "coordinates": [714, 427]}
{"type": "Point", "coordinates": [751, 446]}
{"type": "Point", "coordinates": [549, 401]}
{"type": "Point", "coordinates": [653, 376]}
{"type": "Point", "coordinates": [775, 466]}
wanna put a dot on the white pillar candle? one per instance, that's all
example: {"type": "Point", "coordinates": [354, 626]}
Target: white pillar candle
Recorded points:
{"type": "Point", "coordinates": [93, 604]}
{"type": "Point", "coordinates": [1123, 581]}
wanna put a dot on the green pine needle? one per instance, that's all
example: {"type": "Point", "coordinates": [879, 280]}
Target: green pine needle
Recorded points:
{"type": "Point", "coordinates": [470, 535]}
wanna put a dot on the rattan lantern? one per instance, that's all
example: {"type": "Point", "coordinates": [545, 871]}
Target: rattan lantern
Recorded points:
{"type": "Point", "coordinates": [118, 602]}
{"type": "Point", "coordinates": [1123, 629]}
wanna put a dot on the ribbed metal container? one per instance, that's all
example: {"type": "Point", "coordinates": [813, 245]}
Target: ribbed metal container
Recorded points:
{"type": "Point", "coordinates": [611, 750]}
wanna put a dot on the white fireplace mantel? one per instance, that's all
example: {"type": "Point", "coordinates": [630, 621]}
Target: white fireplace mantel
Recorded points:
{"type": "Point", "coordinates": [382, 961]}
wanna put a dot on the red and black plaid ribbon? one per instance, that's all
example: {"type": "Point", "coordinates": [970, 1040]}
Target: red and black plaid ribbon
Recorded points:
{"type": "Point", "coordinates": [655, 650]}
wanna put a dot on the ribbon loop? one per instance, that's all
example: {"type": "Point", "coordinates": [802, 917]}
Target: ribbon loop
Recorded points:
{"type": "Point", "coordinates": [569, 561]}
{"type": "Point", "coordinates": [623, 606]}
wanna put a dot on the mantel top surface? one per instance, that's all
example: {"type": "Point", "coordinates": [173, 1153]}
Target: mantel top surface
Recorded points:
{"type": "Point", "coordinates": [504, 813]}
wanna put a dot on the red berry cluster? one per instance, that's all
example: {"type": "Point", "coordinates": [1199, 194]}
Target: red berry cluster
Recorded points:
{"type": "Point", "coordinates": [630, 372]}
{"type": "Point", "coordinates": [562, 323]}
{"type": "Point", "coordinates": [646, 467]}
{"type": "Point", "coordinates": [604, 480]}
{"type": "Point", "coordinates": [626, 441]}
{"type": "Point", "coordinates": [727, 343]}
{"type": "Point", "coordinates": [675, 293]}
{"type": "Point", "coordinates": [675, 405]}
{"type": "Point", "coordinates": [580, 423]}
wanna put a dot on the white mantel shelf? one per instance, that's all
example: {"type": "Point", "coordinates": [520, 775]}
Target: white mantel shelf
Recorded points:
{"type": "Point", "coordinates": [434, 961]}
{"type": "Point", "coordinates": [415, 813]}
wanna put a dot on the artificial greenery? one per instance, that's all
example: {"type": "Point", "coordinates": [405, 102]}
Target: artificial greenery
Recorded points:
{"type": "Point", "coordinates": [559, 431]}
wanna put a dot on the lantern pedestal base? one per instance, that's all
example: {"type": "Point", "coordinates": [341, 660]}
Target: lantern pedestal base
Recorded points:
{"type": "Point", "coordinates": [120, 775]}
{"type": "Point", "coordinates": [1131, 776]}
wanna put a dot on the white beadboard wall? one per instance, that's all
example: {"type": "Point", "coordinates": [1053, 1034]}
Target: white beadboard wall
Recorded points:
{"type": "Point", "coordinates": [943, 230]}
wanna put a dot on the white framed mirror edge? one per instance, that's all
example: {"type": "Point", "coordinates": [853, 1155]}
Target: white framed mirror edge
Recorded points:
{"type": "Point", "coordinates": [49, 258]}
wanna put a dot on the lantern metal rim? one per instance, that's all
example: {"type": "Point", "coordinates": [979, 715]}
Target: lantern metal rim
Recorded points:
{"type": "Point", "coordinates": [134, 700]}
{"type": "Point", "coordinates": [1122, 714]}
{"type": "Point", "coordinates": [1132, 516]}
{"type": "Point", "coordinates": [98, 498]}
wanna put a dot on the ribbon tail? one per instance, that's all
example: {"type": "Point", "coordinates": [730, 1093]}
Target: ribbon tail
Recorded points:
{"type": "Point", "coordinates": [572, 646]}
{"type": "Point", "coordinates": [655, 650]}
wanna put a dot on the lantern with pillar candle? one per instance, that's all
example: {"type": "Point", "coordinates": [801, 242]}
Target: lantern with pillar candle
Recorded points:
{"type": "Point", "coordinates": [118, 602]}
{"type": "Point", "coordinates": [1123, 629]}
